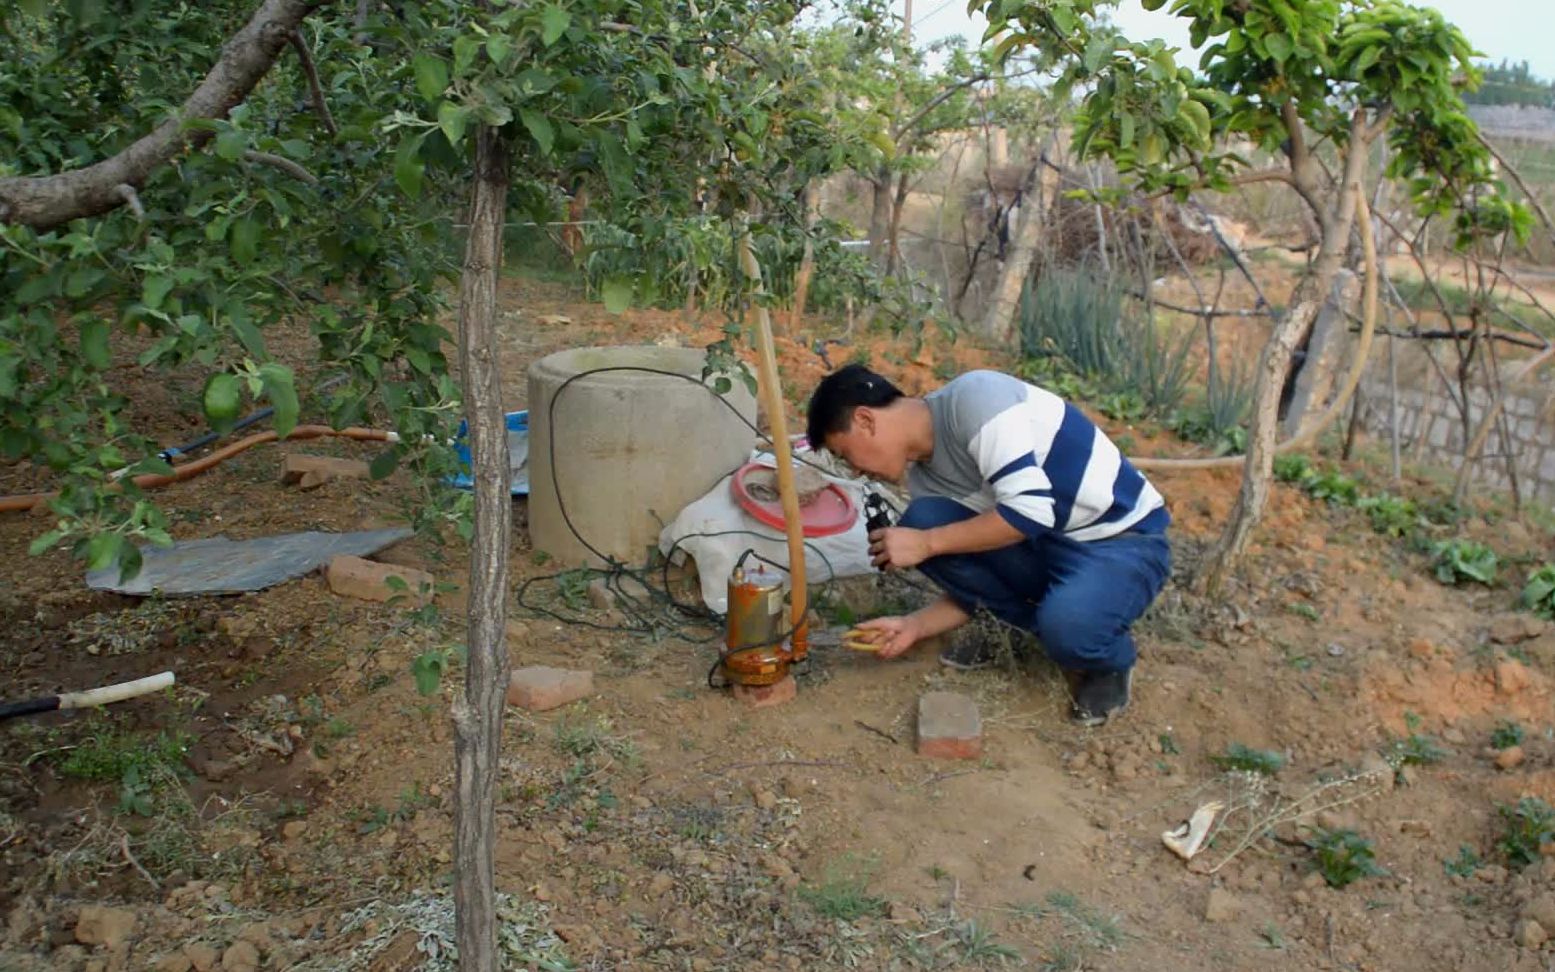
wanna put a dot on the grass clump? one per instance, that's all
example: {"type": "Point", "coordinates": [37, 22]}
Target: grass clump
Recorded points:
{"type": "Point", "coordinates": [843, 894]}
{"type": "Point", "coordinates": [1249, 760]}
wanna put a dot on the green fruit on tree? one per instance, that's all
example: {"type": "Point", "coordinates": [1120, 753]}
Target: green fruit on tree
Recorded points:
{"type": "Point", "coordinates": [223, 398]}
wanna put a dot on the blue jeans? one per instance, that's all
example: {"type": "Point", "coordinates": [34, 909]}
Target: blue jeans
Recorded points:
{"type": "Point", "coordinates": [1078, 598]}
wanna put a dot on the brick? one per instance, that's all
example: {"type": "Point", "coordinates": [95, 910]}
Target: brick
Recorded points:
{"type": "Point", "coordinates": [369, 580]}
{"type": "Point", "coordinates": [949, 726]}
{"type": "Point", "coordinates": [540, 687]}
{"type": "Point", "coordinates": [310, 472]}
{"type": "Point", "coordinates": [767, 696]}
{"type": "Point", "coordinates": [109, 927]}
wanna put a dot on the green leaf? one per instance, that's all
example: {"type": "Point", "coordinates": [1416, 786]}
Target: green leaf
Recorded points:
{"type": "Point", "coordinates": [94, 343]}
{"type": "Point", "coordinates": [428, 671]}
{"type": "Point", "coordinates": [103, 550]}
{"type": "Point", "coordinates": [245, 240]}
{"type": "Point", "coordinates": [431, 76]}
{"type": "Point", "coordinates": [153, 290]}
{"type": "Point", "coordinates": [465, 48]}
{"type": "Point", "coordinates": [231, 144]}
{"type": "Point", "coordinates": [539, 127]}
{"type": "Point", "coordinates": [44, 543]}
{"type": "Point", "coordinates": [36, 7]}
{"type": "Point", "coordinates": [498, 47]}
{"type": "Point", "coordinates": [81, 281]}
{"type": "Point", "coordinates": [282, 392]}
{"type": "Point", "coordinates": [1279, 46]}
{"type": "Point", "coordinates": [451, 118]}
{"type": "Point", "coordinates": [408, 167]}
{"type": "Point", "coordinates": [384, 464]}
{"type": "Point", "coordinates": [248, 335]}
{"type": "Point", "coordinates": [616, 293]}
{"type": "Point", "coordinates": [553, 23]}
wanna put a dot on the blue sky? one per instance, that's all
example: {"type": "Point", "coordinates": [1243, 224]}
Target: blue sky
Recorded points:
{"type": "Point", "coordinates": [1517, 30]}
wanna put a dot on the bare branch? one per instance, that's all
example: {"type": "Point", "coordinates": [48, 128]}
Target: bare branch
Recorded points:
{"type": "Point", "coordinates": [1517, 177]}
{"type": "Point", "coordinates": [934, 102]}
{"type": "Point", "coordinates": [43, 202]}
{"type": "Point", "coordinates": [1265, 175]}
{"type": "Point", "coordinates": [284, 164]}
{"type": "Point", "coordinates": [131, 199]}
{"type": "Point", "coordinates": [305, 57]}
{"type": "Point", "coordinates": [1203, 311]}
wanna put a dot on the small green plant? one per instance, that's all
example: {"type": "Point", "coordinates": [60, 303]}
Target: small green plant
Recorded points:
{"type": "Point", "coordinates": [1416, 749]}
{"type": "Point", "coordinates": [429, 667]}
{"type": "Point", "coordinates": [1292, 467]}
{"type": "Point", "coordinates": [978, 947]}
{"type": "Point", "coordinates": [1464, 865]}
{"type": "Point", "coordinates": [1506, 734]}
{"type": "Point", "coordinates": [843, 894]}
{"type": "Point", "coordinates": [1539, 592]}
{"type": "Point", "coordinates": [1392, 516]}
{"type": "Point", "coordinates": [1342, 856]}
{"type": "Point", "coordinates": [1306, 610]}
{"type": "Point", "coordinates": [1100, 930]}
{"type": "Point", "coordinates": [1464, 560]}
{"type": "Point", "coordinates": [1272, 936]}
{"type": "Point", "coordinates": [1333, 487]}
{"type": "Point", "coordinates": [1249, 760]}
{"type": "Point", "coordinates": [1168, 744]}
{"type": "Point", "coordinates": [573, 586]}
{"type": "Point", "coordinates": [136, 795]}
{"type": "Point", "coordinates": [1529, 826]}
{"type": "Point", "coordinates": [590, 738]}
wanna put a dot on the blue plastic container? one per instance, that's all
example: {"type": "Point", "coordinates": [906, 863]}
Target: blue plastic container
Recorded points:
{"type": "Point", "coordinates": [518, 450]}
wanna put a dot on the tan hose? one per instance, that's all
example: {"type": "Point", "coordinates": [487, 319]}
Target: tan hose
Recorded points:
{"type": "Point", "coordinates": [1352, 380]}
{"type": "Point", "coordinates": [26, 501]}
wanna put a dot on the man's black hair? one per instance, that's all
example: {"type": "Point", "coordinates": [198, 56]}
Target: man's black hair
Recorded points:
{"type": "Point", "coordinates": [838, 394]}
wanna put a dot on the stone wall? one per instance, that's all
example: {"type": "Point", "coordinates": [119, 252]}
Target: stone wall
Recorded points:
{"type": "Point", "coordinates": [1432, 430]}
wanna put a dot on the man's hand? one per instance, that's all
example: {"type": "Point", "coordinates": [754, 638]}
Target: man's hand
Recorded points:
{"type": "Point", "coordinates": [899, 547]}
{"type": "Point", "coordinates": [893, 635]}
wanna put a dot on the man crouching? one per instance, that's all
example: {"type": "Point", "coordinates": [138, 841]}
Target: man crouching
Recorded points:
{"type": "Point", "coordinates": [1020, 506]}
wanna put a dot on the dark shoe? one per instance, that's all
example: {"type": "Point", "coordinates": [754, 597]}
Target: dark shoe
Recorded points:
{"type": "Point", "coordinates": [968, 651]}
{"type": "Point", "coordinates": [1100, 696]}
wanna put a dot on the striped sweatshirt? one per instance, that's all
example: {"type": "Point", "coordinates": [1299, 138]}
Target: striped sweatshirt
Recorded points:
{"type": "Point", "coordinates": [1001, 443]}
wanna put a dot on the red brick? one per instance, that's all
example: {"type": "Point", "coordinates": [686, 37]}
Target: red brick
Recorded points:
{"type": "Point", "coordinates": [540, 687]}
{"type": "Point", "coordinates": [949, 726]}
{"type": "Point", "coordinates": [369, 580]}
{"type": "Point", "coordinates": [309, 472]}
{"type": "Point", "coordinates": [766, 696]}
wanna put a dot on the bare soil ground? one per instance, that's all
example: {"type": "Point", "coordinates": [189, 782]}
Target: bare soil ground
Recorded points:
{"type": "Point", "coordinates": [298, 785]}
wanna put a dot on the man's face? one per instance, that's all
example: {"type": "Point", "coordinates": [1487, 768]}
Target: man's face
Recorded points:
{"type": "Point", "coordinates": [871, 444]}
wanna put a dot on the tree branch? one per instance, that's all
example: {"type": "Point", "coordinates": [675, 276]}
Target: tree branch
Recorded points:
{"type": "Point", "coordinates": [44, 202]}
{"type": "Point", "coordinates": [305, 57]}
{"type": "Point", "coordinates": [1264, 175]}
{"type": "Point", "coordinates": [934, 102]}
{"type": "Point", "coordinates": [284, 164]}
{"type": "Point", "coordinates": [131, 199]}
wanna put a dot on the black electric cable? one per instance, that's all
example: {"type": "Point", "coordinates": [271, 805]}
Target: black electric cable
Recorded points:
{"type": "Point", "coordinates": [615, 569]}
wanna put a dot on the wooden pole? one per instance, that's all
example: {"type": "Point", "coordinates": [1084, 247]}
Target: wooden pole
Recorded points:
{"type": "Point", "coordinates": [772, 401]}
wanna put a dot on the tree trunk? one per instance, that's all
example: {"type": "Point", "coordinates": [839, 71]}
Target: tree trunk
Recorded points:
{"type": "Point", "coordinates": [478, 712]}
{"type": "Point", "coordinates": [893, 251]}
{"type": "Point", "coordinates": [999, 318]}
{"type": "Point", "coordinates": [44, 202]}
{"type": "Point", "coordinates": [1273, 367]}
{"type": "Point", "coordinates": [812, 212]}
{"type": "Point", "coordinates": [880, 217]}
